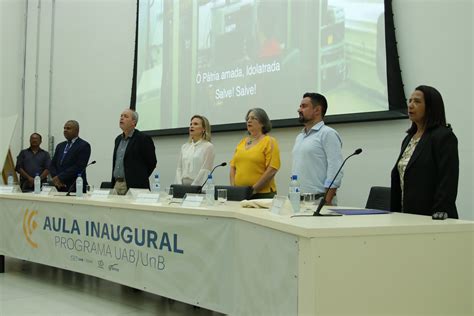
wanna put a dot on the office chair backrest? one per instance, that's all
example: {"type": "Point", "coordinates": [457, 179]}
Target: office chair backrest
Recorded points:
{"type": "Point", "coordinates": [379, 198]}
{"type": "Point", "coordinates": [179, 190]}
{"type": "Point", "coordinates": [106, 185]}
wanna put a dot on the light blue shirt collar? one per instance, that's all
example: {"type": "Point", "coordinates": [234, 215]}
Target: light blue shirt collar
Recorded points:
{"type": "Point", "coordinates": [316, 158]}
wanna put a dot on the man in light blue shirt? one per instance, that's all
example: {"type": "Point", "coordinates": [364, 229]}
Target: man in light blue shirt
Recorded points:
{"type": "Point", "coordinates": [317, 151]}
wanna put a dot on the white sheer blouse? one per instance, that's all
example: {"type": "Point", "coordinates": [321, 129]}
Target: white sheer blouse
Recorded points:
{"type": "Point", "coordinates": [195, 162]}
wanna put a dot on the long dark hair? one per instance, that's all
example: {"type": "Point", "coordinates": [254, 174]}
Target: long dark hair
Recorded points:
{"type": "Point", "coordinates": [434, 109]}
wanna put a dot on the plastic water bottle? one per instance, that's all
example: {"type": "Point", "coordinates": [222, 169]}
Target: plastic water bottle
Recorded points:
{"type": "Point", "coordinates": [79, 186]}
{"type": "Point", "coordinates": [10, 180]}
{"type": "Point", "coordinates": [155, 185]}
{"type": "Point", "coordinates": [294, 193]}
{"type": "Point", "coordinates": [210, 190]}
{"type": "Point", "coordinates": [37, 184]}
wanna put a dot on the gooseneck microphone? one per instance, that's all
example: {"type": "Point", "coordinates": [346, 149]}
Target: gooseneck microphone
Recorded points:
{"type": "Point", "coordinates": [323, 200]}
{"type": "Point", "coordinates": [82, 171]}
{"type": "Point", "coordinates": [212, 171]}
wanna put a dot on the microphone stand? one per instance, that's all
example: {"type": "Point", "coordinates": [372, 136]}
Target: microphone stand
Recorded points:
{"type": "Point", "coordinates": [323, 200]}
{"type": "Point", "coordinates": [74, 183]}
{"type": "Point", "coordinates": [212, 171]}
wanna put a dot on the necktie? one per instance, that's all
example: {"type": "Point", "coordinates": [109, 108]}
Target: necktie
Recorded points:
{"type": "Point", "coordinates": [68, 145]}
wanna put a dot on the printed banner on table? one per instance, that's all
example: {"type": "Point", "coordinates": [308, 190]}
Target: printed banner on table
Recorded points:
{"type": "Point", "coordinates": [215, 262]}
{"type": "Point", "coordinates": [153, 249]}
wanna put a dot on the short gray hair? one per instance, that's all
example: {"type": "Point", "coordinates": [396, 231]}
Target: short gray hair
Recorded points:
{"type": "Point", "coordinates": [262, 117]}
{"type": "Point", "coordinates": [74, 123]}
{"type": "Point", "coordinates": [134, 114]}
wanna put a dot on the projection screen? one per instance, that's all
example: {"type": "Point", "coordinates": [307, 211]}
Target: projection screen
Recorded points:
{"type": "Point", "coordinates": [218, 58]}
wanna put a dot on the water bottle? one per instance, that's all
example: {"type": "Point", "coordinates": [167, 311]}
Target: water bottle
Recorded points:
{"type": "Point", "coordinates": [10, 179]}
{"type": "Point", "coordinates": [155, 185]}
{"type": "Point", "coordinates": [210, 190]}
{"type": "Point", "coordinates": [37, 184]}
{"type": "Point", "coordinates": [79, 186]}
{"type": "Point", "coordinates": [294, 193]}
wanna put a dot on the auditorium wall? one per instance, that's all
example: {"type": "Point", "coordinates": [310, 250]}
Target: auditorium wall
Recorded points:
{"type": "Point", "coordinates": [88, 47]}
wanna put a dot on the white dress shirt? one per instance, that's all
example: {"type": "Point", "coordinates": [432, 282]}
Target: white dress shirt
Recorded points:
{"type": "Point", "coordinates": [195, 162]}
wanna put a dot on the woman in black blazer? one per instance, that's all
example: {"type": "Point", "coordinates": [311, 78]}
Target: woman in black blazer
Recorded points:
{"type": "Point", "coordinates": [425, 177]}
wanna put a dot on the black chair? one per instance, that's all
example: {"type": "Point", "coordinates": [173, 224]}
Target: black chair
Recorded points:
{"type": "Point", "coordinates": [379, 198]}
{"type": "Point", "coordinates": [106, 185]}
{"type": "Point", "coordinates": [179, 190]}
{"type": "Point", "coordinates": [236, 193]}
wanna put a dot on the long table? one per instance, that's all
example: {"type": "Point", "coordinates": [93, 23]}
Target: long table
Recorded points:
{"type": "Point", "coordinates": [249, 261]}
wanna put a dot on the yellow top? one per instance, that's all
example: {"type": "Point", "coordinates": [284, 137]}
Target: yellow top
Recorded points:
{"type": "Point", "coordinates": [250, 164]}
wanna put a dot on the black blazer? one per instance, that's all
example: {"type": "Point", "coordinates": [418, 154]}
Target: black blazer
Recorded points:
{"type": "Point", "coordinates": [431, 176]}
{"type": "Point", "coordinates": [139, 160]}
{"type": "Point", "coordinates": [73, 163]}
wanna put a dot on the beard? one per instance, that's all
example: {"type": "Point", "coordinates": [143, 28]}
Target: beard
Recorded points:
{"type": "Point", "coordinates": [302, 119]}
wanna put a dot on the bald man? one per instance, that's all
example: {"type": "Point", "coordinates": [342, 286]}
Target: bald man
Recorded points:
{"type": "Point", "coordinates": [134, 155]}
{"type": "Point", "coordinates": [70, 159]}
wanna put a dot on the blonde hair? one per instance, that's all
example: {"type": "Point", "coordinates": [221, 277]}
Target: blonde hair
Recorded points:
{"type": "Point", "coordinates": [206, 134]}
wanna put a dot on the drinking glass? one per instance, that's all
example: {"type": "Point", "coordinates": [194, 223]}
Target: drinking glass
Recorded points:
{"type": "Point", "coordinates": [308, 201]}
{"type": "Point", "coordinates": [169, 193]}
{"type": "Point", "coordinates": [89, 188]}
{"type": "Point", "coordinates": [222, 196]}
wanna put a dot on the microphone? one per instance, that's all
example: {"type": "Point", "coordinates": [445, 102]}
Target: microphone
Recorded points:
{"type": "Point", "coordinates": [219, 165]}
{"type": "Point", "coordinates": [323, 200]}
{"type": "Point", "coordinates": [74, 183]}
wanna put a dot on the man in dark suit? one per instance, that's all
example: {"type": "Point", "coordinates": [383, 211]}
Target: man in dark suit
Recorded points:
{"type": "Point", "coordinates": [70, 158]}
{"type": "Point", "coordinates": [134, 155]}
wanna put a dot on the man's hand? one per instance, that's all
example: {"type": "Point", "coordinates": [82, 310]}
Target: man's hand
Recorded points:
{"type": "Point", "coordinates": [58, 183]}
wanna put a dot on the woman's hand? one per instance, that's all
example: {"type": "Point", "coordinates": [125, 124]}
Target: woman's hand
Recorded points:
{"type": "Point", "coordinates": [264, 179]}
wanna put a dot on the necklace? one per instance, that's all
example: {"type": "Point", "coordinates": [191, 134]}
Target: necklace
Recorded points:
{"type": "Point", "coordinates": [252, 139]}
{"type": "Point", "coordinates": [417, 135]}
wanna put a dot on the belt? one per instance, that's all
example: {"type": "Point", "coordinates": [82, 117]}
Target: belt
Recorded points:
{"type": "Point", "coordinates": [316, 196]}
{"type": "Point", "coordinates": [119, 179]}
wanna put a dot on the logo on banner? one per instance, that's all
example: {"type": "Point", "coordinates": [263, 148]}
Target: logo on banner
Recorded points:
{"type": "Point", "coordinates": [29, 226]}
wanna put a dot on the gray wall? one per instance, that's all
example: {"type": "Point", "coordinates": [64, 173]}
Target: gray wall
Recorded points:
{"type": "Point", "coordinates": [89, 47]}
{"type": "Point", "coordinates": [11, 56]}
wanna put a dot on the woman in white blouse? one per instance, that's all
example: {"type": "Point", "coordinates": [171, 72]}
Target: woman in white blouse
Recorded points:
{"type": "Point", "coordinates": [197, 155]}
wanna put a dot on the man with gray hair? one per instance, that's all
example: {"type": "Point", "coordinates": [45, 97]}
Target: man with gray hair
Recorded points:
{"type": "Point", "coordinates": [134, 156]}
{"type": "Point", "coordinates": [70, 159]}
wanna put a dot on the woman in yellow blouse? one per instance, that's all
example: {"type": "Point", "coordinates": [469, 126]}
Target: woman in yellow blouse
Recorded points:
{"type": "Point", "coordinates": [257, 157]}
